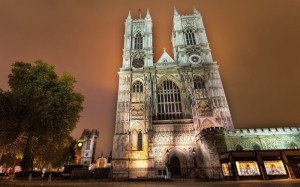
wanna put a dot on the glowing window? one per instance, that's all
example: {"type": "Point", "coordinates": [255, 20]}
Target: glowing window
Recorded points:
{"type": "Point", "coordinates": [138, 41]}
{"type": "Point", "coordinates": [247, 168]}
{"type": "Point", "coordinates": [275, 167]}
{"type": "Point", "coordinates": [190, 37]}
{"type": "Point", "coordinates": [137, 86]}
{"type": "Point", "coordinates": [140, 141]}
{"type": "Point", "coordinates": [226, 168]}
{"type": "Point", "coordinates": [168, 101]}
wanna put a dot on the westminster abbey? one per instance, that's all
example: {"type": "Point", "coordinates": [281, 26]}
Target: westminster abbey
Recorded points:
{"type": "Point", "coordinates": [173, 113]}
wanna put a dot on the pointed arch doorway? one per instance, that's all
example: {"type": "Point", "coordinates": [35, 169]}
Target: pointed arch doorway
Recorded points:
{"type": "Point", "coordinates": [175, 167]}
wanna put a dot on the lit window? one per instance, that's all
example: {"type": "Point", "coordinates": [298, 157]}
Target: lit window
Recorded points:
{"type": "Point", "coordinates": [190, 37]}
{"type": "Point", "coordinates": [140, 141]}
{"type": "Point", "coordinates": [138, 41]}
{"type": "Point", "coordinates": [169, 101]}
{"type": "Point", "coordinates": [137, 86]}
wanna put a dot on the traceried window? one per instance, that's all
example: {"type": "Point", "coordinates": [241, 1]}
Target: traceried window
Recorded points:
{"type": "Point", "coordinates": [199, 85]}
{"type": "Point", "coordinates": [169, 101]}
{"type": "Point", "coordinates": [137, 87]}
{"type": "Point", "coordinates": [140, 141]}
{"type": "Point", "coordinates": [138, 41]}
{"type": "Point", "coordinates": [190, 37]}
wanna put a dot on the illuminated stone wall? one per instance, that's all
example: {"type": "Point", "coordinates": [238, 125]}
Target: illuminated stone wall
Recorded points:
{"type": "Point", "coordinates": [263, 138]}
{"type": "Point", "coordinates": [169, 102]}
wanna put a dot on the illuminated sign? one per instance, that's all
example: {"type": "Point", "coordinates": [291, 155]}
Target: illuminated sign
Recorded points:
{"type": "Point", "coordinates": [247, 168]}
{"type": "Point", "coordinates": [275, 167]}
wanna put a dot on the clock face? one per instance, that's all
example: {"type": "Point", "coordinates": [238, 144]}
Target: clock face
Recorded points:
{"type": "Point", "coordinates": [138, 63]}
{"type": "Point", "coordinates": [195, 59]}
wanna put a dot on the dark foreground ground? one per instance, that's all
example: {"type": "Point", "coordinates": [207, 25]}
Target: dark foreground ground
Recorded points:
{"type": "Point", "coordinates": [179, 183]}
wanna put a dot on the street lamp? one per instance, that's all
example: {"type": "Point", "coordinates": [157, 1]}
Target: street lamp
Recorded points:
{"type": "Point", "coordinates": [195, 164]}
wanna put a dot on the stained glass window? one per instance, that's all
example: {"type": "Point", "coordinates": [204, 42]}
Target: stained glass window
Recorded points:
{"type": "Point", "coordinates": [247, 168]}
{"type": "Point", "coordinates": [226, 168]}
{"type": "Point", "coordinates": [275, 167]}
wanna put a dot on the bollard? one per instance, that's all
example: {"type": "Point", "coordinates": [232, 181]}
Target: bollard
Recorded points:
{"type": "Point", "coordinates": [29, 178]}
{"type": "Point", "coordinates": [49, 178]}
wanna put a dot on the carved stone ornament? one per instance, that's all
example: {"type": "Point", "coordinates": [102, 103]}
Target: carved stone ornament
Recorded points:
{"type": "Point", "coordinates": [193, 50]}
{"type": "Point", "coordinates": [204, 107]}
{"type": "Point", "coordinates": [137, 111]}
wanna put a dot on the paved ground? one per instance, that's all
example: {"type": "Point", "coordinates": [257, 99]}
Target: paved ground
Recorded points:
{"type": "Point", "coordinates": [190, 183]}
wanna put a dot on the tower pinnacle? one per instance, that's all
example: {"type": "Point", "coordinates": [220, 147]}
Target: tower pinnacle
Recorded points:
{"type": "Point", "coordinates": [148, 16]}
{"type": "Point", "coordinates": [128, 17]}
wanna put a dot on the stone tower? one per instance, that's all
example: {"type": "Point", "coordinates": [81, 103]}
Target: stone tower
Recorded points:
{"type": "Point", "coordinates": [163, 107]}
{"type": "Point", "coordinates": [88, 147]}
{"type": "Point", "coordinates": [133, 118]}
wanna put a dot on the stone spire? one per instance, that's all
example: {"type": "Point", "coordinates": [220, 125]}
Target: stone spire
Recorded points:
{"type": "Point", "coordinates": [128, 17]}
{"type": "Point", "coordinates": [196, 11]}
{"type": "Point", "coordinates": [175, 12]}
{"type": "Point", "coordinates": [148, 16]}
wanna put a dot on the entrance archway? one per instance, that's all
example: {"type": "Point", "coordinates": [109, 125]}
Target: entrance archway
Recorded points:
{"type": "Point", "coordinates": [175, 167]}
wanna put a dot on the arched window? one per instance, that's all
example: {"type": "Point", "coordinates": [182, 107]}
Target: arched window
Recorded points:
{"type": "Point", "coordinates": [137, 86]}
{"type": "Point", "coordinates": [256, 147]}
{"type": "Point", "coordinates": [169, 101]}
{"type": "Point", "coordinates": [239, 147]}
{"type": "Point", "coordinates": [140, 141]}
{"type": "Point", "coordinates": [293, 146]}
{"type": "Point", "coordinates": [190, 37]}
{"type": "Point", "coordinates": [138, 41]}
{"type": "Point", "coordinates": [199, 85]}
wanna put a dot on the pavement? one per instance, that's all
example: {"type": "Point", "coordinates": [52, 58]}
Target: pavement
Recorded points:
{"type": "Point", "coordinates": [188, 183]}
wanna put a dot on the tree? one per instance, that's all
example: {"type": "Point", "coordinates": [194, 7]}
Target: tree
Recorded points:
{"type": "Point", "coordinates": [45, 108]}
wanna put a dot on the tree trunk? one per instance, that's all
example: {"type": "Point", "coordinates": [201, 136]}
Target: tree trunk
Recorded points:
{"type": "Point", "coordinates": [27, 160]}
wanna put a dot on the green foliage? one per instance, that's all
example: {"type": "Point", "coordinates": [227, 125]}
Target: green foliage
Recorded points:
{"type": "Point", "coordinates": [42, 105]}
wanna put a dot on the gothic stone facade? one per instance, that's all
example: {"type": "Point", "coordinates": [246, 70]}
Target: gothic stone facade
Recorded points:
{"type": "Point", "coordinates": [163, 106]}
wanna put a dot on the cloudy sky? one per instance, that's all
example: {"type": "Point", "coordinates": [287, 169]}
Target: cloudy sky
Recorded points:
{"type": "Point", "coordinates": [255, 42]}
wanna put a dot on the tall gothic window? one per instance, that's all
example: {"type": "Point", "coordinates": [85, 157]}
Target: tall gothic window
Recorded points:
{"type": "Point", "coordinates": [199, 85]}
{"type": "Point", "coordinates": [169, 101]}
{"type": "Point", "coordinates": [190, 37]}
{"type": "Point", "coordinates": [140, 141]}
{"type": "Point", "coordinates": [138, 41]}
{"type": "Point", "coordinates": [137, 87]}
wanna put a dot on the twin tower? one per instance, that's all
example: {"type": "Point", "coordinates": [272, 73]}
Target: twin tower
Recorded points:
{"type": "Point", "coordinates": [163, 107]}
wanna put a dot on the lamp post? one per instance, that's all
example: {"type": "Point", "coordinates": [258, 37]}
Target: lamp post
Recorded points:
{"type": "Point", "coordinates": [195, 164]}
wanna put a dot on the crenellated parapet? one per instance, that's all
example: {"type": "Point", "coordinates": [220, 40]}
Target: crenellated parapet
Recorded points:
{"type": "Point", "coordinates": [263, 131]}
{"type": "Point", "coordinates": [263, 138]}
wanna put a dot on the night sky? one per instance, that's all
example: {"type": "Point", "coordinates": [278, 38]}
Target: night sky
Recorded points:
{"type": "Point", "coordinates": [255, 42]}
